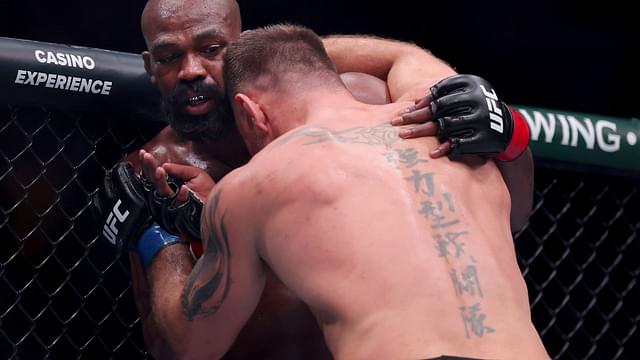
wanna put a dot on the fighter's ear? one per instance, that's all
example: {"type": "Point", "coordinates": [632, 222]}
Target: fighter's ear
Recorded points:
{"type": "Point", "coordinates": [253, 112]}
{"type": "Point", "coordinates": [146, 56]}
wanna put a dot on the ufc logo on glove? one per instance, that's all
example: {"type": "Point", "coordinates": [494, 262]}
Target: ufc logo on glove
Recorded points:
{"type": "Point", "coordinates": [109, 230]}
{"type": "Point", "coordinates": [495, 113]}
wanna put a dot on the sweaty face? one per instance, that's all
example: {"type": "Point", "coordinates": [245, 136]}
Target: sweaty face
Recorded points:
{"type": "Point", "coordinates": [186, 41]}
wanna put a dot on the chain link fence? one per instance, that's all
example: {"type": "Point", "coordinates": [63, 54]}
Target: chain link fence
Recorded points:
{"type": "Point", "coordinates": [580, 255]}
{"type": "Point", "coordinates": [63, 294]}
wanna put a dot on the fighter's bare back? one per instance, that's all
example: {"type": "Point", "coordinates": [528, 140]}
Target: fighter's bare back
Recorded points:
{"type": "Point", "coordinates": [398, 255]}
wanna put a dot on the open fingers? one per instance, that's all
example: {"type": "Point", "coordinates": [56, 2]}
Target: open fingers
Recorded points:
{"type": "Point", "coordinates": [183, 194]}
{"type": "Point", "coordinates": [160, 182]}
{"type": "Point", "coordinates": [152, 171]}
{"type": "Point", "coordinates": [428, 129]}
{"type": "Point", "coordinates": [412, 117]}
{"type": "Point", "coordinates": [424, 102]}
{"type": "Point", "coordinates": [442, 150]}
{"type": "Point", "coordinates": [196, 180]}
{"type": "Point", "coordinates": [149, 164]}
{"type": "Point", "coordinates": [182, 172]}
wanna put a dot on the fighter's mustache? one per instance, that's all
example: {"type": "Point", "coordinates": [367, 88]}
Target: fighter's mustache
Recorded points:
{"type": "Point", "coordinates": [197, 127]}
{"type": "Point", "coordinates": [193, 93]}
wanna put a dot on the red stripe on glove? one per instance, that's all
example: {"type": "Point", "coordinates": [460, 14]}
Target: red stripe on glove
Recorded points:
{"type": "Point", "coordinates": [519, 139]}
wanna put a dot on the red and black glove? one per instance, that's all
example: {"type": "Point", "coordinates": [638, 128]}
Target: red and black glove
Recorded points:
{"type": "Point", "coordinates": [472, 118]}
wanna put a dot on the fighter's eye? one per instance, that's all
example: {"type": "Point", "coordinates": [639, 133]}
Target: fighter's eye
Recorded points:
{"type": "Point", "coordinates": [212, 50]}
{"type": "Point", "coordinates": [167, 59]}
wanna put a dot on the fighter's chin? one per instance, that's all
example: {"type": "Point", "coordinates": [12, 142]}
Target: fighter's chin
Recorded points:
{"type": "Point", "coordinates": [199, 128]}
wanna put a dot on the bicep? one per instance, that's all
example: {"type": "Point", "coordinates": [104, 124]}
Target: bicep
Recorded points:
{"type": "Point", "coordinates": [409, 70]}
{"type": "Point", "coordinates": [366, 88]}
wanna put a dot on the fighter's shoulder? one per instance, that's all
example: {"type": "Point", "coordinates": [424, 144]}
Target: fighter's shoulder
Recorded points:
{"type": "Point", "coordinates": [161, 144]}
{"type": "Point", "coordinates": [166, 137]}
{"type": "Point", "coordinates": [270, 171]}
{"type": "Point", "coordinates": [237, 187]}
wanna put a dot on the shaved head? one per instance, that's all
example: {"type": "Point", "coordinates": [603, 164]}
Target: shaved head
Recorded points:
{"type": "Point", "coordinates": [186, 40]}
{"type": "Point", "coordinates": [162, 11]}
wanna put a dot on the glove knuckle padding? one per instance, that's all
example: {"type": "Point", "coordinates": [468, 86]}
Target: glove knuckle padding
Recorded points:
{"type": "Point", "coordinates": [455, 104]}
{"type": "Point", "coordinates": [471, 116]}
{"type": "Point", "coordinates": [472, 145]}
{"type": "Point", "coordinates": [449, 85]}
{"type": "Point", "coordinates": [127, 183]}
{"type": "Point", "coordinates": [455, 126]}
{"type": "Point", "coordinates": [119, 206]}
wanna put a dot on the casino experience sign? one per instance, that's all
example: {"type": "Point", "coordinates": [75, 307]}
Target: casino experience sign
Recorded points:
{"type": "Point", "coordinates": [60, 81]}
{"type": "Point", "coordinates": [74, 77]}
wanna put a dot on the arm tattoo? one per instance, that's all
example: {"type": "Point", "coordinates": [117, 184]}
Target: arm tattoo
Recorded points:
{"type": "Point", "coordinates": [209, 282]}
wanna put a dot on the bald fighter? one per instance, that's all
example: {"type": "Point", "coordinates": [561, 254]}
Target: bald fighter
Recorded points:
{"type": "Point", "coordinates": [186, 40]}
{"type": "Point", "coordinates": [398, 255]}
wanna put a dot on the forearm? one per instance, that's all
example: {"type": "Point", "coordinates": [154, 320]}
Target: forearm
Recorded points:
{"type": "Point", "coordinates": [153, 339]}
{"type": "Point", "coordinates": [186, 297]}
{"type": "Point", "coordinates": [518, 176]}
{"type": "Point", "coordinates": [404, 66]}
{"type": "Point", "coordinates": [167, 275]}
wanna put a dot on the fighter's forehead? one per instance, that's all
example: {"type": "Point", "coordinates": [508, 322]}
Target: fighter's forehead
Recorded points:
{"type": "Point", "coordinates": [167, 18]}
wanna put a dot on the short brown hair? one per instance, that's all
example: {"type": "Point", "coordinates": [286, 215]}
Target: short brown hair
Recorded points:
{"type": "Point", "coordinates": [276, 50]}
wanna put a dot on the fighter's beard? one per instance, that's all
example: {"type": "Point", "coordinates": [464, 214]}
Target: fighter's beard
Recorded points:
{"type": "Point", "coordinates": [210, 126]}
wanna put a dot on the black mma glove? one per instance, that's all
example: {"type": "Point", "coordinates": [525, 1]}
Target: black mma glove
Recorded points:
{"type": "Point", "coordinates": [120, 208]}
{"type": "Point", "coordinates": [475, 121]}
{"type": "Point", "coordinates": [173, 217]}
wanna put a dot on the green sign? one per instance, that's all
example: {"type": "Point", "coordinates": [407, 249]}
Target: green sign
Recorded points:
{"type": "Point", "coordinates": [584, 138]}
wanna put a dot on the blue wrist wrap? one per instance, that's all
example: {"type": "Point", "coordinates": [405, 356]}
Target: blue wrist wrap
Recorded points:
{"type": "Point", "coordinates": [152, 240]}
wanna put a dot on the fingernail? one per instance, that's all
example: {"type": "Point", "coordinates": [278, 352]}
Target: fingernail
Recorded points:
{"type": "Point", "coordinates": [396, 120]}
{"type": "Point", "coordinates": [404, 133]}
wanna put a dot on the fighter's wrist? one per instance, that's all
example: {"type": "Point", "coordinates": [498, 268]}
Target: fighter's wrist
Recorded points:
{"type": "Point", "coordinates": [154, 239]}
{"type": "Point", "coordinates": [519, 139]}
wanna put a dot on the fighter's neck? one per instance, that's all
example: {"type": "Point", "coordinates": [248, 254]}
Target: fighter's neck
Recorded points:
{"type": "Point", "coordinates": [311, 106]}
{"type": "Point", "coordinates": [229, 148]}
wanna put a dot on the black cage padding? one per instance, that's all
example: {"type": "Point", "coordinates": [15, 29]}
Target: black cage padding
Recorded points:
{"type": "Point", "coordinates": [70, 77]}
